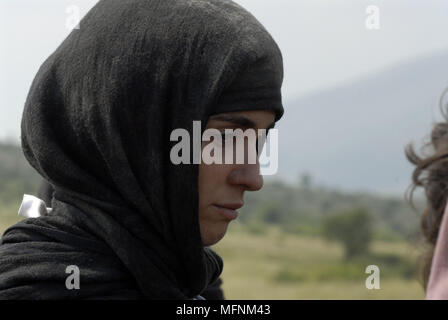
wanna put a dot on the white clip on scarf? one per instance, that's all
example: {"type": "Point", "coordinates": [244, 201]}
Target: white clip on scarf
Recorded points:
{"type": "Point", "coordinates": [33, 207]}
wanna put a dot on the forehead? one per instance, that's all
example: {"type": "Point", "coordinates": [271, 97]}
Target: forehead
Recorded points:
{"type": "Point", "coordinates": [248, 119]}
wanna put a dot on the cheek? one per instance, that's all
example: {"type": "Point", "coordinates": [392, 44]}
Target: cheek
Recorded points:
{"type": "Point", "coordinates": [212, 182]}
{"type": "Point", "coordinates": [212, 185]}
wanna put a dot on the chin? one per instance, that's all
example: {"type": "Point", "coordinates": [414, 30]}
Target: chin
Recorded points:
{"type": "Point", "coordinates": [208, 242]}
{"type": "Point", "coordinates": [213, 235]}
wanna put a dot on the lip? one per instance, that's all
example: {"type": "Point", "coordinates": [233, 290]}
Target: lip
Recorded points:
{"type": "Point", "coordinates": [228, 210]}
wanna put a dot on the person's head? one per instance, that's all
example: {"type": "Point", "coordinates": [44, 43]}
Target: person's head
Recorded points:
{"type": "Point", "coordinates": [100, 113]}
{"type": "Point", "coordinates": [431, 173]}
{"type": "Point", "coordinates": [223, 184]}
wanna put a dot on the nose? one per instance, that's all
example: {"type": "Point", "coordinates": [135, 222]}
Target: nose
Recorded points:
{"type": "Point", "coordinates": [248, 176]}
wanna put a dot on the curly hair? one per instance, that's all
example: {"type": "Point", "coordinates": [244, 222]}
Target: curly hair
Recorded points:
{"type": "Point", "coordinates": [431, 173]}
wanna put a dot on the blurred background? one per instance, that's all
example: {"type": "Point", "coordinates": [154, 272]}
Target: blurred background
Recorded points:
{"type": "Point", "coordinates": [363, 78]}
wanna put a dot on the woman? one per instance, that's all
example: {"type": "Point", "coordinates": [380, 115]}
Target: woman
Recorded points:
{"type": "Point", "coordinates": [125, 220]}
{"type": "Point", "coordinates": [431, 173]}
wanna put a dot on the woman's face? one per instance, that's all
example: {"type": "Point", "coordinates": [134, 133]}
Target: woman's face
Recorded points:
{"type": "Point", "coordinates": [225, 184]}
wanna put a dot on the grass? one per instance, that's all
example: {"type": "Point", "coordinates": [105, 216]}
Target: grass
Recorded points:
{"type": "Point", "coordinates": [276, 265]}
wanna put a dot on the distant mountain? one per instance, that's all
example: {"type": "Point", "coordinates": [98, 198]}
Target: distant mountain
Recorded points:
{"type": "Point", "coordinates": [353, 136]}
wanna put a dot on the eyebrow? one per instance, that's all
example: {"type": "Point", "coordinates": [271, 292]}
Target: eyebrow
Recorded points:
{"type": "Point", "coordinates": [239, 120]}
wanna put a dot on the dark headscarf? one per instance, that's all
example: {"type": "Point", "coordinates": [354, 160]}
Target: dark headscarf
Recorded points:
{"type": "Point", "coordinates": [213, 292]}
{"type": "Point", "coordinates": [97, 124]}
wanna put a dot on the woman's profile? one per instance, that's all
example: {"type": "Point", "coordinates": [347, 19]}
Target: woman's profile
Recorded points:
{"type": "Point", "coordinates": [126, 222]}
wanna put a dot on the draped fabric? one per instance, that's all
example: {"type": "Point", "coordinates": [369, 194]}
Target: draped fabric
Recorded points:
{"type": "Point", "coordinates": [213, 292]}
{"type": "Point", "coordinates": [96, 125]}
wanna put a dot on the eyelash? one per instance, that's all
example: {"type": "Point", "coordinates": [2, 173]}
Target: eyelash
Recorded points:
{"type": "Point", "coordinates": [228, 136]}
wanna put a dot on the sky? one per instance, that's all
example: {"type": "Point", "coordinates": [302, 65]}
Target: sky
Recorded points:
{"type": "Point", "coordinates": [325, 43]}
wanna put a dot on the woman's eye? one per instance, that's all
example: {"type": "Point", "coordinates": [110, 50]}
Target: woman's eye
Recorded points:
{"type": "Point", "coordinates": [230, 136]}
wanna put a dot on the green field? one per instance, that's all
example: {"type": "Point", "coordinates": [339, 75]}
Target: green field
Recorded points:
{"type": "Point", "coordinates": [275, 265]}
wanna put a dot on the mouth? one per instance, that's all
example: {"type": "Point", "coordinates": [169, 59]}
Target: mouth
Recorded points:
{"type": "Point", "coordinates": [228, 210]}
